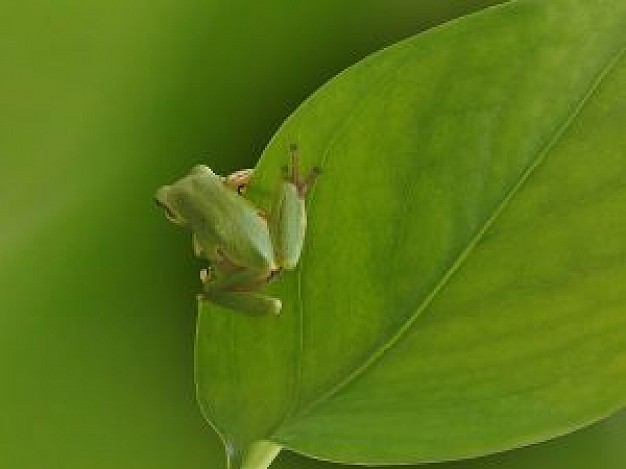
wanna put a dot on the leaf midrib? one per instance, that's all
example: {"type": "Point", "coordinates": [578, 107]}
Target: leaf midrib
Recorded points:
{"type": "Point", "coordinates": [460, 260]}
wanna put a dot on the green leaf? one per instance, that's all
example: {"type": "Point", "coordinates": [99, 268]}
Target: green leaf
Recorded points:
{"type": "Point", "coordinates": [462, 286]}
{"type": "Point", "coordinates": [102, 102]}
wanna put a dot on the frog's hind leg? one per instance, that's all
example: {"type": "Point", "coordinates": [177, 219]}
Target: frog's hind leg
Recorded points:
{"type": "Point", "coordinates": [220, 279]}
{"type": "Point", "coordinates": [289, 214]}
{"type": "Point", "coordinates": [237, 291]}
{"type": "Point", "coordinates": [252, 303]}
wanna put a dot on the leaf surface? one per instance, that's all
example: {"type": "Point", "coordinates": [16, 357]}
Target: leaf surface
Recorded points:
{"type": "Point", "coordinates": [462, 286]}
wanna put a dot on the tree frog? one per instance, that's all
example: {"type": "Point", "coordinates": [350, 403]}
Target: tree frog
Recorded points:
{"type": "Point", "coordinates": [245, 247]}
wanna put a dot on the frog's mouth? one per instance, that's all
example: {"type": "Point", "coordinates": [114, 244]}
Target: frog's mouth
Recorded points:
{"type": "Point", "coordinates": [169, 213]}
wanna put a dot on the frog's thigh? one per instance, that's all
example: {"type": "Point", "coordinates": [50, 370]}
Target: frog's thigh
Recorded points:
{"type": "Point", "coordinates": [246, 302]}
{"type": "Point", "coordinates": [239, 280]}
{"type": "Point", "coordinates": [289, 226]}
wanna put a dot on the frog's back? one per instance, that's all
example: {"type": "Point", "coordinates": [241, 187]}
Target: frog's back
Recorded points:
{"type": "Point", "coordinates": [226, 219]}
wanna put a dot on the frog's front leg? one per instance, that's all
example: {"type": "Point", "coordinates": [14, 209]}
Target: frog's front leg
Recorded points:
{"type": "Point", "coordinates": [289, 214]}
{"type": "Point", "coordinates": [237, 290]}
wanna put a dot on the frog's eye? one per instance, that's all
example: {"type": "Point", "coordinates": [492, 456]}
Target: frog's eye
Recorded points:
{"type": "Point", "coordinates": [239, 180]}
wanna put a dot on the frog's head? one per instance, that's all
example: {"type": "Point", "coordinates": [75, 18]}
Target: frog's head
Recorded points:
{"type": "Point", "coordinates": [183, 200]}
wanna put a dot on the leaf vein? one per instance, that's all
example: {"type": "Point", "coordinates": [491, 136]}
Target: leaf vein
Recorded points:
{"type": "Point", "coordinates": [539, 159]}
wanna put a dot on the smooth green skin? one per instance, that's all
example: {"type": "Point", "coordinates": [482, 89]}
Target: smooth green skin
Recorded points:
{"type": "Point", "coordinates": [475, 302]}
{"type": "Point", "coordinates": [102, 102]}
{"type": "Point", "coordinates": [230, 233]}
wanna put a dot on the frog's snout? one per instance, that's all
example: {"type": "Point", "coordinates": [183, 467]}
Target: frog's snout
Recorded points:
{"type": "Point", "coordinates": [160, 199]}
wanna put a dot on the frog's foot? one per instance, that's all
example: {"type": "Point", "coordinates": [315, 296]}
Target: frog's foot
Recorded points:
{"type": "Point", "coordinates": [293, 176]}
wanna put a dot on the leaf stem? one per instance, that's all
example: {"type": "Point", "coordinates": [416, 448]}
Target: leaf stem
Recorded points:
{"type": "Point", "coordinates": [258, 455]}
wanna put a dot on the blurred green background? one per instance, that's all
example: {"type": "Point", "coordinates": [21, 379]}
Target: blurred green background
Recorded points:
{"type": "Point", "coordinates": [100, 103]}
